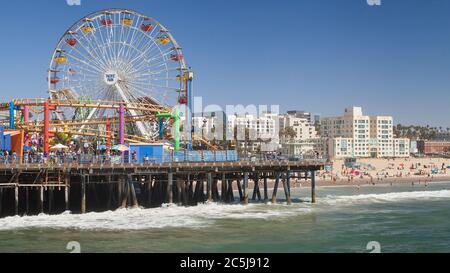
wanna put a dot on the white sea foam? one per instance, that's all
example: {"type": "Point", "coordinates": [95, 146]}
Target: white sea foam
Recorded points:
{"type": "Point", "coordinates": [203, 215]}
{"type": "Point", "coordinates": [139, 219]}
{"type": "Point", "coordinates": [386, 197]}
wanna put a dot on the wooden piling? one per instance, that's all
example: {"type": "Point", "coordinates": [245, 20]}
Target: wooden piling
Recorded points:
{"type": "Point", "coordinates": [241, 195]}
{"type": "Point", "coordinates": [184, 193]}
{"type": "Point", "coordinates": [230, 191]}
{"type": "Point", "coordinates": [27, 201]}
{"type": "Point", "coordinates": [132, 191]}
{"type": "Point", "coordinates": [119, 192]}
{"type": "Point", "coordinates": [224, 189]}
{"type": "Point", "coordinates": [255, 186]}
{"type": "Point", "coordinates": [191, 191]}
{"type": "Point", "coordinates": [50, 199]}
{"type": "Point", "coordinates": [41, 199]}
{"type": "Point", "coordinates": [256, 189]}
{"type": "Point", "coordinates": [203, 197]}
{"type": "Point", "coordinates": [288, 181]}
{"type": "Point", "coordinates": [83, 194]}
{"type": "Point", "coordinates": [209, 187]}
{"type": "Point", "coordinates": [170, 188]}
{"type": "Point", "coordinates": [125, 193]}
{"type": "Point", "coordinates": [66, 193]}
{"type": "Point", "coordinates": [245, 188]}
{"type": "Point", "coordinates": [110, 191]}
{"type": "Point", "coordinates": [266, 193]}
{"type": "Point", "coordinates": [286, 189]}
{"type": "Point", "coordinates": [215, 190]}
{"type": "Point", "coordinates": [179, 197]}
{"type": "Point", "coordinates": [196, 195]}
{"type": "Point", "coordinates": [66, 197]}
{"type": "Point", "coordinates": [313, 187]}
{"type": "Point", "coordinates": [275, 187]}
{"type": "Point", "coordinates": [149, 190]}
{"type": "Point", "coordinates": [16, 198]}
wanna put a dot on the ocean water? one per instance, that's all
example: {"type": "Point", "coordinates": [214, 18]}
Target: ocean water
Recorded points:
{"type": "Point", "coordinates": [401, 218]}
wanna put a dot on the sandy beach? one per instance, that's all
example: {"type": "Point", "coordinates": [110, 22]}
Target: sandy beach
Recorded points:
{"type": "Point", "coordinates": [414, 171]}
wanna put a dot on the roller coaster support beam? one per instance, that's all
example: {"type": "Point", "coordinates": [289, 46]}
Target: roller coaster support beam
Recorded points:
{"type": "Point", "coordinates": [12, 110]}
{"type": "Point", "coordinates": [26, 120]}
{"type": "Point", "coordinates": [26, 114]}
{"type": "Point", "coordinates": [122, 124]}
{"type": "Point", "coordinates": [47, 134]}
{"type": "Point", "coordinates": [190, 94]}
{"type": "Point", "coordinates": [12, 114]}
{"type": "Point", "coordinates": [108, 136]}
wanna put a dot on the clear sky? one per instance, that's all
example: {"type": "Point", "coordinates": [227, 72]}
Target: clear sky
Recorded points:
{"type": "Point", "coordinates": [314, 55]}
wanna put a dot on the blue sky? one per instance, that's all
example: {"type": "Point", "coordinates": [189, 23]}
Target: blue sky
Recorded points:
{"type": "Point", "coordinates": [314, 55]}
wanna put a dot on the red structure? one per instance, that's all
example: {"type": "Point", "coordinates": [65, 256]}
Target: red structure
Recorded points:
{"type": "Point", "coordinates": [107, 22]}
{"type": "Point", "coordinates": [433, 147]}
{"type": "Point", "coordinates": [176, 58]}
{"type": "Point", "coordinates": [72, 41]}
{"type": "Point", "coordinates": [146, 27]}
{"type": "Point", "coordinates": [26, 120]}
{"type": "Point", "coordinates": [47, 135]}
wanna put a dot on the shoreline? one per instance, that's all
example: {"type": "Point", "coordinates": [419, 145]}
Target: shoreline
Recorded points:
{"type": "Point", "coordinates": [358, 182]}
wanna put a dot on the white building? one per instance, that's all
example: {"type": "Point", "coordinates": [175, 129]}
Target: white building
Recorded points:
{"type": "Point", "coordinates": [305, 141]}
{"type": "Point", "coordinates": [357, 135]}
{"type": "Point", "coordinates": [263, 134]}
{"type": "Point", "coordinates": [210, 125]}
{"type": "Point", "coordinates": [402, 147]}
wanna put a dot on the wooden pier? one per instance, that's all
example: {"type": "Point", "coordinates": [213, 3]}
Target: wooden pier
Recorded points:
{"type": "Point", "coordinates": [32, 189]}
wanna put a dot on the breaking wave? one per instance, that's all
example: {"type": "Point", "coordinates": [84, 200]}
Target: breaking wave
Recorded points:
{"type": "Point", "coordinates": [386, 197]}
{"type": "Point", "coordinates": [204, 215]}
{"type": "Point", "coordinates": [138, 219]}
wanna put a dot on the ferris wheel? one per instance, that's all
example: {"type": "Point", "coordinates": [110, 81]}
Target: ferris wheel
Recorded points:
{"type": "Point", "coordinates": [118, 56]}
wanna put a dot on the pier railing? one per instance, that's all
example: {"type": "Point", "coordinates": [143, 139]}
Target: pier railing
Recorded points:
{"type": "Point", "coordinates": [86, 159]}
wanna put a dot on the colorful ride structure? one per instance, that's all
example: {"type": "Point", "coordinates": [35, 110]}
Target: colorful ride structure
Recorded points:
{"type": "Point", "coordinates": [116, 75]}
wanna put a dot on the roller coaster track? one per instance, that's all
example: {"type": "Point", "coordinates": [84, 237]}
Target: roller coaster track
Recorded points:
{"type": "Point", "coordinates": [145, 107]}
{"type": "Point", "coordinates": [148, 110]}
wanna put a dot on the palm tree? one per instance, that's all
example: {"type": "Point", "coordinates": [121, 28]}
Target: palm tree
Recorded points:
{"type": "Point", "coordinates": [288, 133]}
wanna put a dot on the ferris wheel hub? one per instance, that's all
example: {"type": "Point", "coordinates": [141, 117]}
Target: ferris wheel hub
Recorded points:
{"type": "Point", "coordinates": [111, 77]}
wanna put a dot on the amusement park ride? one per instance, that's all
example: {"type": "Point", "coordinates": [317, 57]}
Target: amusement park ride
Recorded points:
{"type": "Point", "coordinates": [119, 77]}
{"type": "Point", "coordinates": [115, 75]}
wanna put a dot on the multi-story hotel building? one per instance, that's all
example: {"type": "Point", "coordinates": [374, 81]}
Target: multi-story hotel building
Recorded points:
{"type": "Point", "coordinates": [358, 135]}
{"type": "Point", "coordinates": [306, 139]}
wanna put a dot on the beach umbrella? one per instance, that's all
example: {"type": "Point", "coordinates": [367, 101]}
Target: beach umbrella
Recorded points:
{"type": "Point", "coordinates": [120, 148]}
{"type": "Point", "coordinates": [59, 147]}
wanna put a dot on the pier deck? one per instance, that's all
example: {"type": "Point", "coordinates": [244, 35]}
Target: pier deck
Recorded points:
{"type": "Point", "coordinates": [29, 189]}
